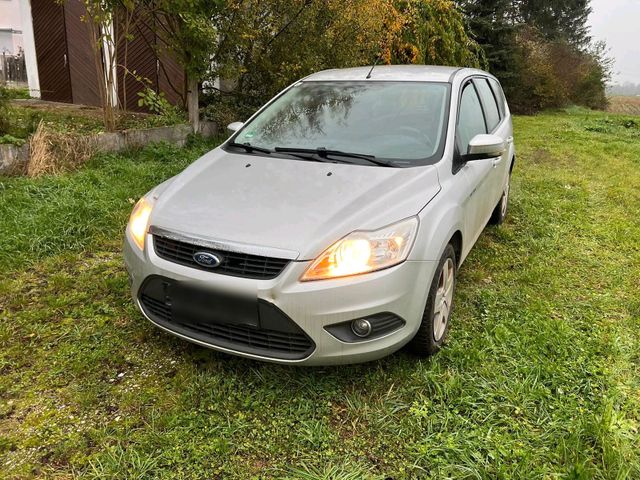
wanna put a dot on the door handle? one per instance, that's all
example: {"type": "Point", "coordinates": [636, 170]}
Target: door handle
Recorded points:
{"type": "Point", "coordinates": [496, 161]}
{"type": "Point", "coordinates": [510, 140]}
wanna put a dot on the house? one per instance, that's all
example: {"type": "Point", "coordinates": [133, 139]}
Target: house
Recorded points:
{"type": "Point", "coordinates": [61, 65]}
{"type": "Point", "coordinates": [10, 27]}
{"type": "Point", "coordinates": [12, 66]}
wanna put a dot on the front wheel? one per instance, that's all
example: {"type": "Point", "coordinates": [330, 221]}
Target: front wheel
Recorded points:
{"type": "Point", "coordinates": [500, 212]}
{"type": "Point", "coordinates": [437, 312]}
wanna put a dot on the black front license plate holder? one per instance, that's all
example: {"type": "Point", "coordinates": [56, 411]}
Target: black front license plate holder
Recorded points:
{"type": "Point", "coordinates": [197, 304]}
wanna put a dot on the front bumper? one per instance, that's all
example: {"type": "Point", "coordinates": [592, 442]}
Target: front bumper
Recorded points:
{"type": "Point", "coordinates": [312, 306]}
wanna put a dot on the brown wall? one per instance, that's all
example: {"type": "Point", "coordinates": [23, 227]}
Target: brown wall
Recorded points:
{"type": "Point", "coordinates": [66, 64]}
{"type": "Point", "coordinates": [82, 66]}
{"type": "Point", "coordinates": [160, 72]}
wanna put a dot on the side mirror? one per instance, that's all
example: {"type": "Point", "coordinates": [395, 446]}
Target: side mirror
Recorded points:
{"type": "Point", "coordinates": [234, 127]}
{"type": "Point", "coordinates": [483, 146]}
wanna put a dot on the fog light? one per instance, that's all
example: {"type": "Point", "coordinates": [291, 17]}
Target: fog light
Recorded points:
{"type": "Point", "coordinates": [361, 327]}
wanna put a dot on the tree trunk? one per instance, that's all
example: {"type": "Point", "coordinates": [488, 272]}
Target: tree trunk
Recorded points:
{"type": "Point", "coordinates": [192, 103]}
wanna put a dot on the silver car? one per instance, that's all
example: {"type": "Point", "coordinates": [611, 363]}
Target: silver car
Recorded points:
{"type": "Point", "coordinates": [329, 228]}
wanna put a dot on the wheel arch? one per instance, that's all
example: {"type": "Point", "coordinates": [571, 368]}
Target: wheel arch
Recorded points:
{"type": "Point", "coordinates": [456, 242]}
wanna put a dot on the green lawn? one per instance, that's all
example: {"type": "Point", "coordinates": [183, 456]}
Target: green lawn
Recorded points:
{"type": "Point", "coordinates": [540, 378]}
{"type": "Point", "coordinates": [25, 115]}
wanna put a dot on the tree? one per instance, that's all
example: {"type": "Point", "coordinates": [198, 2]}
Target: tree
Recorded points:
{"type": "Point", "coordinates": [187, 30]}
{"type": "Point", "coordinates": [540, 50]}
{"type": "Point", "coordinates": [492, 25]}
{"type": "Point", "coordinates": [100, 16]}
{"type": "Point", "coordinates": [435, 33]}
{"type": "Point", "coordinates": [565, 20]}
{"type": "Point", "coordinates": [264, 45]}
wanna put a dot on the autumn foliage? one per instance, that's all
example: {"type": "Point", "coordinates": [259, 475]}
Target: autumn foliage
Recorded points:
{"type": "Point", "coordinates": [266, 45]}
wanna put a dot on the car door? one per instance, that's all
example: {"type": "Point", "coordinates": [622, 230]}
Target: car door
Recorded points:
{"type": "Point", "coordinates": [496, 126]}
{"type": "Point", "coordinates": [477, 204]}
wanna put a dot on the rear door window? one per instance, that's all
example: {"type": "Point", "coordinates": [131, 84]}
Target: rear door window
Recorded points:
{"type": "Point", "coordinates": [489, 103]}
{"type": "Point", "coordinates": [497, 91]}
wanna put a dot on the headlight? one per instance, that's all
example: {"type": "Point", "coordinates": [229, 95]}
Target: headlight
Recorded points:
{"type": "Point", "coordinates": [364, 252]}
{"type": "Point", "coordinates": [139, 221]}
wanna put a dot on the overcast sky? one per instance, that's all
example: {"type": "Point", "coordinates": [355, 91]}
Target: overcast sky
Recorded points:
{"type": "Point", "coordinates": [617, 22]}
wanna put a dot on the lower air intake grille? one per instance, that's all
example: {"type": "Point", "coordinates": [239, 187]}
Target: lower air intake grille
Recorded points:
{"type": "Point", "coordinates": [277, 337]}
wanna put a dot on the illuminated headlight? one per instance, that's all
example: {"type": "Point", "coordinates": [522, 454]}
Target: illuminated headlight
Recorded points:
{"type": "Point", "coordinates": [139, 221]}
{"type": "Point", "coordinates": [365, 251]}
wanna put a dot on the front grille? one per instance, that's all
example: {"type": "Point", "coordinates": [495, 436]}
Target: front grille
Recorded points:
{"type": "Point", "coordinates": [282, 339]}
{"type": "Point", "coordinates": [233, 263]}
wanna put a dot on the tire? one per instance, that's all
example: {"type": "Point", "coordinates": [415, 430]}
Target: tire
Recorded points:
{"type": "Point", "coordinates": [500, 212]}
{"type": "Point", "coordinates": [435, 323]}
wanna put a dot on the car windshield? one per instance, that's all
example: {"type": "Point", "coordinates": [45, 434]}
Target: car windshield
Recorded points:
{"type": "Point", "coordinates": [400, 121]}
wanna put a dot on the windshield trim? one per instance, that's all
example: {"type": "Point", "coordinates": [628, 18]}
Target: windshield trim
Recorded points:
{"type": "Point", "coordinates": [397, 162]}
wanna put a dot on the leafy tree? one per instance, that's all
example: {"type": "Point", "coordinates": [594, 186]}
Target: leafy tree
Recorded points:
{"type": "Point", "coordinates": [265, 45]}
{"type": "Point", "coordinates": [554, 74]}
{"type": "Point", "coordinates": [540, 50]}
{"type": "Point", "coordinates": [434, 32]}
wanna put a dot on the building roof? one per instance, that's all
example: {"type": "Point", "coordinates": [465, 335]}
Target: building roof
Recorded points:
{"type": "Point", "coordinates": [403, 73]}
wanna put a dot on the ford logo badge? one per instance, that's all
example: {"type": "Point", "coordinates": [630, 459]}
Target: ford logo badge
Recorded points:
{"type": "Point", "coordinates": [206, 259]}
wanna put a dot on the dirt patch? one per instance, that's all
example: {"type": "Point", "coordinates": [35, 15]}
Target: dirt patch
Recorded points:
{"type": "Point", "coordinates": [624, 105]}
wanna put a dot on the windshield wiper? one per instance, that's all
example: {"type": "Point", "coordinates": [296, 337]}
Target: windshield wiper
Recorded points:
{"type": "Point", "coordinates": [249, 148]}
{"type": "Point", "coordinates": [323, 153]}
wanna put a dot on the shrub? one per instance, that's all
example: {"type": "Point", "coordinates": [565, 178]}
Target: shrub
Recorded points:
{"type": "Point", "coordinates": [554, 74]}
{"type": "Point", "coordinates": [4, 110]}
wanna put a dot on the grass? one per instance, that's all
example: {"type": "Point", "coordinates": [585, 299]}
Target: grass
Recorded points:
{"type": "Point", "coordinates": [540, 378]}
{"type": "Point", "coordinates": [24, 116]}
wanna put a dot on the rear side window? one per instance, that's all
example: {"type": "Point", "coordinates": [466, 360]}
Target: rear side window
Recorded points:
{"type": "Point", "coordinates": [470, 118]}
{"type": "Point", "coordinates": [497, 91]}
{"type": "Point", "coordinates": [489, 103]}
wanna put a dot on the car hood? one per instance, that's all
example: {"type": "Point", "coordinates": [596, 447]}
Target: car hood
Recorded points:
{"type": "Point", "coordinates": [296, 206]}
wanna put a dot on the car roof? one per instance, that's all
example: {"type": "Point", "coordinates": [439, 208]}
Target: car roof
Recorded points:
{"type": "Point", "coordinates": [400, 73]}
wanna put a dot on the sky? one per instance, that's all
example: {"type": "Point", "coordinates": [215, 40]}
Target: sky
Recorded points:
{"type": "Point", "coordinates": [617, 22]}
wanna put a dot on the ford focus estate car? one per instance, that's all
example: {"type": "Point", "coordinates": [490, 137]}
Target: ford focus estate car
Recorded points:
{"type": "Point", "coordinates": [329, 228]}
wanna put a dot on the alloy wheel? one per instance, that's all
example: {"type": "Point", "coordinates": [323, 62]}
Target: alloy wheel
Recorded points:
{"type": "Point", "coordinates": [443, 300]}
{"type": "Point", "coordinates": [505, 199]}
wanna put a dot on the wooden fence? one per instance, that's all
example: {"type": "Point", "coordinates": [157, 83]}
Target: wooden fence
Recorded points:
{"type": "Point", "coordinates": [13, 69]}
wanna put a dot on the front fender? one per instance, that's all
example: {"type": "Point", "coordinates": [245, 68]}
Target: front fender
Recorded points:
{"type": "Point", "coordinates": [438, 224]}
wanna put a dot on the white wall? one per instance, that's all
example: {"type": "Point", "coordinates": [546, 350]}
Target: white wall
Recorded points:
{"type": "Point", "coordinates": [10, 14]}
{"type": "Point", "coordinates": [10, 27]}
{"type": "Point", "coordinates": [26, 22]}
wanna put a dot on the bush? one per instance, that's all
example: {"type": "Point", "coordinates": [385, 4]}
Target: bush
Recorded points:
{"type": "Point", "coordinates": [554, 74]}
{"type": "Point", "coordinates": [4, 110]}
